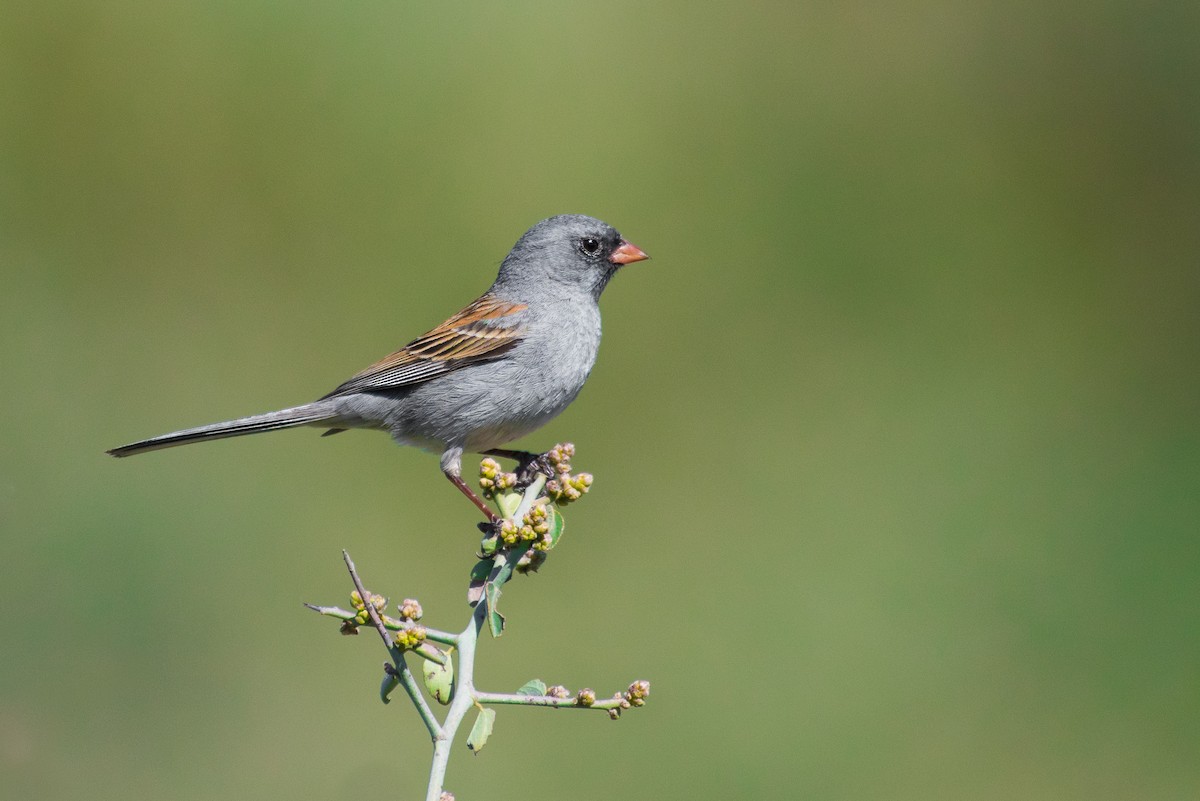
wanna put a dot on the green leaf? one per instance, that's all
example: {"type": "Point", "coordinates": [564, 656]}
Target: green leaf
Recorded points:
{"type": "Point", "coordinates": [481, 570]}
{"type": "Point", "coordinates": [495, 619]}
{"type": "Point", "coordinates": [557, 526]}
{"type": "Point", "coordinates": [508, 503]}
{"type": "Point", "coordinates": [533, 687]}
{"type": "Point", "coordinates": [439, 679]}
{"type": "Point", "coordinates": [481, 731]}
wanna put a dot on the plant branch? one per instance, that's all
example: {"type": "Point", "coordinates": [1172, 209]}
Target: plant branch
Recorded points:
{"type": "Point", "coordinates": [391, 624]}
{"type": "Point", "coordinates": [465, 695]}
{"type": "Point", "coordinates": [460, 704]}
{"type": "Point", "coordinates": [530, 526]}
{"type": "Point", "coordinates": [570, 702]}
{"type": "Point", "coordinates": [366, 599]}
{"type": "Point", "coordinates": [400, 669]}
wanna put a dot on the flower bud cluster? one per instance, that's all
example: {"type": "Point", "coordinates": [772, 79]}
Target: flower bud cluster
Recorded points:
{"type": "Point", "coordinates": [510, 533]}
{"type": "Point", "coordinates": [585, 697]}
{"type": "Point", "coordinates": [560, 456]}
{"type": "Point", "coordinates": [638, 692]}
{"type": "Point", "coordinates": [635, 695]}
{"type": "Point", "coordinates": [356, 601]}
{"type": "Point", "coordinates": [410, 637]}
{"type": "Point", "coordinates": [493, 480]}
{"type": "Point", "coordinates": [567, 488]}
{"type": "Point", "coordinates": [410, 609]}
{"type": "Point", "coordinates": [558, 691]}
{"type": "Point", "coordinates": [534, 527]}
{"type": "Point", "coordinates": [564, 487]}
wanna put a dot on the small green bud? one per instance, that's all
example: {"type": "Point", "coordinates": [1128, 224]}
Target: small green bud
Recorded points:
{"type": "Point", "coordinates": [586, 697]}
{"type": "Point", "coordinates": [410, 637]}
{"type": "Point", "coordinates": [488, 470]}
{"type": "Point", "coordinates": [492, 480]}
{"type": "Point", "coordinates": [614, 713]}
{"type": "Point", "coordinates": [567, 488]}
{"type": "Point", "coordinates": [356, 600]}
{"type": "Point", "coordinates": [510, 534]}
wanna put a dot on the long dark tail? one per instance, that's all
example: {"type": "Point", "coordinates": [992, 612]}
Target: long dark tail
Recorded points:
{"type": "Point", "coordinates": [271, 421]}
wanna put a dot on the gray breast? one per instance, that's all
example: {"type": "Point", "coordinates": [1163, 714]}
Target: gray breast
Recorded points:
{"type": "Point", "coordinates": [488, 405]}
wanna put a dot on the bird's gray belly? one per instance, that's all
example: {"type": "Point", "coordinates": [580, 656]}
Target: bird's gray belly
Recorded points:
{"type": "Point", "coordinates": [479, 407]}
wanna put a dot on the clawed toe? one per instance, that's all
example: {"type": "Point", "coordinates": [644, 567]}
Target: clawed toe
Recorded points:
{"type": "Point", "coordinates": [530, 469]}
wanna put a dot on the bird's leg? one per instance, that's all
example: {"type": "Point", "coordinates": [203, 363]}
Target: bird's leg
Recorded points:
{"type": "Point", "coordinates": [528, 464]}
{"type": "Point", "coordinates": [475, 499]}
{"type": "Point", "coordinates": [452, 469]}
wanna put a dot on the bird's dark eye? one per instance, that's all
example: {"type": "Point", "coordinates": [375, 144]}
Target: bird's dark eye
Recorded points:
{"type": "Point", "coordinates": [589, 245]}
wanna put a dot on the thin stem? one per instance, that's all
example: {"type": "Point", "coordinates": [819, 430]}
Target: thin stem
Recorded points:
{"type": "Point", "coordinates": [444, 637]}
{"type": "Point", "coordinates": [544, 700]}
{"type": "Point", "coordinates": [531, 494]}
{"type": "Point", "coordinates": [402, 673]}
{"type": "Point", "coordinates": [465, 695]}
{"type": "Point", "coordinates": [464, 699]}
{"type": "Point", "coordinates": [434, 635]}
{"type": "Point", "coordinates": [405, 677]}
{"type": "Point", "coordinates": [366, 599]}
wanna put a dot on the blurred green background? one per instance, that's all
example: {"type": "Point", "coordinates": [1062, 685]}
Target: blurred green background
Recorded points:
{"type": "Point", "coordinates": [896, 438]}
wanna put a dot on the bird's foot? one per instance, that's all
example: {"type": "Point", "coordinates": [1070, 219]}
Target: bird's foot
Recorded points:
{"type": "Point", "coordinates": [529, 465]}
{"type": "Point", "coordinates": [529, 469]}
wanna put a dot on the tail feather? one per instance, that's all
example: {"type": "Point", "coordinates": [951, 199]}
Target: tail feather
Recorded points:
{"type": "Point", "coordinates": [271, 421]}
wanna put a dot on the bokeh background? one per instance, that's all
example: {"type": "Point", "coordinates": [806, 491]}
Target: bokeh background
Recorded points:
{"type": "Point", "coordinates": [896, 439]}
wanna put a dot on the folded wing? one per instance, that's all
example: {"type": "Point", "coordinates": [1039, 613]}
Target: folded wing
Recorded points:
{"type": "Point", "coordinates": [485, 330]}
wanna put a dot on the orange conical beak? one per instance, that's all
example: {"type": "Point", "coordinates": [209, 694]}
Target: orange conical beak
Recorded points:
{"type": "Point", "coordinates": [627, 254]}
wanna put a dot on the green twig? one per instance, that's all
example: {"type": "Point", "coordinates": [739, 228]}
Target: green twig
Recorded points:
{"type": "Point", "coordinates": [400, 670]}
{"type": "Point", "coordinates": [391, 624]}
{"type": "Point", "coordinates": [570, 702]}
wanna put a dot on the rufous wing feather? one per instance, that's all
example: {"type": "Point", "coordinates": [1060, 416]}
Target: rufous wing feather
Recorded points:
{"type": "Point", "coordinates": [483, 331]}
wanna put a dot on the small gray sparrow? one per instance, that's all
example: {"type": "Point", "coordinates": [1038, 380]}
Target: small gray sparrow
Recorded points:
{"type": "Point", "coordinates": [498, 370]}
